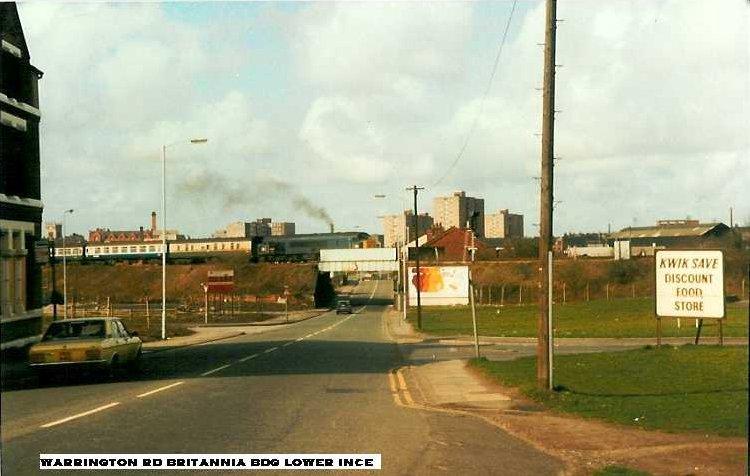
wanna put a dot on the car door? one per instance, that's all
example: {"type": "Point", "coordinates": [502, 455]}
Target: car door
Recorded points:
{"type": "Point", "coordinates": [128, 345]}
{"type": "Point", "coordinates": [118, 342]}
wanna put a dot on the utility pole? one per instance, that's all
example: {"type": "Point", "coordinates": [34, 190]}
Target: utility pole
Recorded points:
{"type": "Point", "coordinates": [416, 249]}
{"type": "Point", "coordinates": [543, 354]}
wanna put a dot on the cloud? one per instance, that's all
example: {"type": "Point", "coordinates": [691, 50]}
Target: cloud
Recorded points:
{"type": "Point", "coordinates": [343, 100]}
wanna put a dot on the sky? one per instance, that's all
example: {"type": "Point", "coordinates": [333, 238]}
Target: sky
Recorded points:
{"type": "Point", "coordinates": [310, 109]}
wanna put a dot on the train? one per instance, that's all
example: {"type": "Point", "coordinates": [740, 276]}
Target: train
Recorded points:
{"type": "Point", "coordinates": [277, 249]}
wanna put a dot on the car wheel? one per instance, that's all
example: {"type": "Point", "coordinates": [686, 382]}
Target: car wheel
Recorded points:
{"type": "Point", "coordinates": [44, 376]}
{"type": "Point", "coordinates": [113, 368]}
{"type": "Point", "coordinates": [135, 364]}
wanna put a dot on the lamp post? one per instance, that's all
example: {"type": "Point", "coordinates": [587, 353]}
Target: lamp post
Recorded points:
{"type": "Point", "coordinates": [164, 231]}
{"type": "Point", "coordinates": [65, 266]}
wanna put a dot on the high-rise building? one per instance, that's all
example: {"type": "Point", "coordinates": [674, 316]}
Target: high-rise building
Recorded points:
{"type": "Point", "coordinates": [20, 189]}
{"type": "Point", "coordinates": [503, 224]}
{"type": "Point", "coordinates": [282, 228]}
{"type": "Point", "coordinates": [52, 230]}
{"type": "Point", "coordinates": [459, 211]}
{"type": "Point", "coordinates": [396, 226]}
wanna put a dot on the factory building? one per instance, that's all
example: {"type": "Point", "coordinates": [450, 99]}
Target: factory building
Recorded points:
{"type": "Point", "coordinates": [672, 234]}
{"type": "Point", "coordinates": [398, 229]}
{"type": "Point", "coordinates": [21, 207]}
{"type": "Point", "coordinates": [503, 224]}
{"type": "Point", "coordinates": [459, 211]}
{"type": "Point", "coordinates": [282, 228]}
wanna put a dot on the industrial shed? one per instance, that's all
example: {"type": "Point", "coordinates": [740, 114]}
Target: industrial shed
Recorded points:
{"type": "Point", "coordinates": [673, 234]}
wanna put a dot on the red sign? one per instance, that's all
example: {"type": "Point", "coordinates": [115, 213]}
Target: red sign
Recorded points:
{"type": "Point", "coordinates": [220, 282]}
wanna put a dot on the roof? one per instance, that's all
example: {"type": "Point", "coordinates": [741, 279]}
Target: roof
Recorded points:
{"type": "Point", "coordinates": [668, 231]}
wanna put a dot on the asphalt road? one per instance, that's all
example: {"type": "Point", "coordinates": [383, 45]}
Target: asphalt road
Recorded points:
{"type": "Point", "coordinates": [319, 386]}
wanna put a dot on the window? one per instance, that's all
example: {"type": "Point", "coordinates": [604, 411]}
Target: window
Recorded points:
{"type": "Point", "coordinates": [97, 250]}
{"type": "Point", "coordinates": [142, 249]}
{"type": "Point", "coordinates": [133, 249]}
{"type": "Point", "coordinates": [106, 249]}
{"type": "Point", "coordinates": [152, 248]}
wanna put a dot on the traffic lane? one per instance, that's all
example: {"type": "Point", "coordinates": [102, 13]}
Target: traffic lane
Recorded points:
{"type": "Point", "coordinates": [24, 411]}
{"type": "Point", "coordinates": [275, 404]}
{"type": "Point", "coordinates": [193, 407]}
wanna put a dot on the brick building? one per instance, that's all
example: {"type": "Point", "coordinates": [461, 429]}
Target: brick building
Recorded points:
{"type": "Point", "coordinates": [21, 297]}
{"type": "Point", "coordinates": [101, 235]}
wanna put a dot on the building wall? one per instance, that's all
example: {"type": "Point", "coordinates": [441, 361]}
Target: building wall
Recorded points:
{"type": "Point", "coordinates": [455, 210]}
{"type": "Point", "coordinates": [20, 206]}
{"type": "Point", "coordinates": [395, 226]}
{"type": "Point", "coordinates": [282, 228]}
{"type": "Point", "coordinates": [503, 224]}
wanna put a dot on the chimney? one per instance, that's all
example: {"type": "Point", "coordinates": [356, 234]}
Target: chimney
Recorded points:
{"type": "Point", "coordinates": [153, 221]}
{"type": "Point", "coordinates": [331, 227]}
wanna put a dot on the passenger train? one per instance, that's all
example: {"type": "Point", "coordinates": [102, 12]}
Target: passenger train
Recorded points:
{"type": "Point", "coordinates": [294, 248]}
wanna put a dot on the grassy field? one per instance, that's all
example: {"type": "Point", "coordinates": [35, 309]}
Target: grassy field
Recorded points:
{"type": "Point", "coordinates": [686, 388]}
{"type": "Point", "coordinates": [615, 318]}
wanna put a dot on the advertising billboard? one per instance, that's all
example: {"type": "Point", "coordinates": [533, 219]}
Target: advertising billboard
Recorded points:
{"type": "Point", "coordinates": [439, 285]}
{"type": "Point", "coordinates": [690, 284]}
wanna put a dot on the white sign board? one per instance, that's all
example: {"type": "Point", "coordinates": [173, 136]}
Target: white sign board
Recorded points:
{"type": "Point", "coordinates": [439, 285]}
{"type": "Point", "coordinates": [690, 284]}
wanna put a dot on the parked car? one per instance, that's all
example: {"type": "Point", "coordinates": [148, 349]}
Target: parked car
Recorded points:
{"type": "Point", "coordinates": [102, 344]}
{"type": "Point", "coordinates": [343, 306]}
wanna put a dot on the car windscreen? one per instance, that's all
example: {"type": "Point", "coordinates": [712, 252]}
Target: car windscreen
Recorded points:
{"type": "Point", "coordinates": [75, 330]}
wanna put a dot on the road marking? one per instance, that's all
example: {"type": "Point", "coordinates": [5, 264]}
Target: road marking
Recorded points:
{"type": "Point", "coordinates": [245, 359]}
{"type": "Point", "coordinates": [158, 390]}
{"type": "Point", "coordinates": [268, 351]}
{"type": "Point", "coordinates": [215, 370]}
{"type": "Point", "coordinates": [300, 339]}
{"type": "Point", "coordinates": [394, 388]}
{"type": "Point", "coordinates": [288, 343]}
{"type": "Point", "coordinates": [95, 410]}
{"type": "Point", "coordinates": [404, 388]}
{"type": "Point", "coordinates": [373, 290]}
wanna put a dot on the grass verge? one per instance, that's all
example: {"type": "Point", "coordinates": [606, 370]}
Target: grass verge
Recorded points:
{"type": "Point", "coordinates": [615, 318]}
{"type": "Point", "coordinates": [676, 389]}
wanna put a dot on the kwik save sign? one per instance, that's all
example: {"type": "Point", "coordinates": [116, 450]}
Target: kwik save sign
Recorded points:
{"type": "Point", "coordinates": [690, 284]}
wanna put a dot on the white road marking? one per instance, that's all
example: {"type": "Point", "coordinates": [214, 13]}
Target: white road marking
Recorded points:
{"type": "Point", "coordinates": [288, 343]}
{"type": "Point", "coordinates": [95, 410]}
{"type": "Point", "coordinates": [159, 390]}
{"type": "Point", "coordinates": [268, 351]}
{"type": "Point", "coordinates": [300, 339]}
{"type": "Point", "coordinates": [245, 359]}
{"type": "Point", "coordinates": [215, 370]}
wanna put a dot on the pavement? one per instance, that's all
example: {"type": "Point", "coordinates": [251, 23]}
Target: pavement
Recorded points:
{"type": "Point", "coordinates": [328, 384]}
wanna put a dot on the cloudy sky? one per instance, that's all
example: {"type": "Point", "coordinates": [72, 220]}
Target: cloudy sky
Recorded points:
{"type": "Point", "coordinates": [312, 108]}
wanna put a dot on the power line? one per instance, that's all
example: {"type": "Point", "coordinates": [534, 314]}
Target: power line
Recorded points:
{"type": "Point", "coordinates": [484, 97]}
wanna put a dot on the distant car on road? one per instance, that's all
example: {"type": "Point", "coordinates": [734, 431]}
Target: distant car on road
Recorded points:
{"type": "Point", "coordinates": [343, 306]}
{"type": "Point", "coordinates": [100, 343]}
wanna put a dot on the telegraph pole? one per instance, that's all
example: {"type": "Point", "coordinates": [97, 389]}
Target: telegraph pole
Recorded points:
{"type": "Point", "coordinates": [418, 282]}
{"type": "Point", "coordinates": [543, 351]}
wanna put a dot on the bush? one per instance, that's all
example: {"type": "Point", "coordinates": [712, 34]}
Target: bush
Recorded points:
{"type": "Point", "coordinates": [623, 271]}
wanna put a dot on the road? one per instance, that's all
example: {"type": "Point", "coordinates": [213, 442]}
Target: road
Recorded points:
{"type": "Point", "coordinates": [318, 386]}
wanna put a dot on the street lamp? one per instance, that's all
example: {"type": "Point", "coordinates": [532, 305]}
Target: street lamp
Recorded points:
{"type": "Point", "coordinates": [65, 266]}
{"type": "Point", "coordinates": [164, 231]}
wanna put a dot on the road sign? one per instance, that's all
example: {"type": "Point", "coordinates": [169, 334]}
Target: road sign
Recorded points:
{"type": "Point", "coordinates": [220, 281]}
{"type": "Point", "coordinates": [690, 283]}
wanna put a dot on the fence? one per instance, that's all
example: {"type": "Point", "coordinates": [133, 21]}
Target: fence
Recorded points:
{"type": "Point", "coordinates": [528, 293]}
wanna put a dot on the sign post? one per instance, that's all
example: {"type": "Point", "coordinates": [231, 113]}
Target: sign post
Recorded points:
{"type": "Point", "coordinates": [690, 283]}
